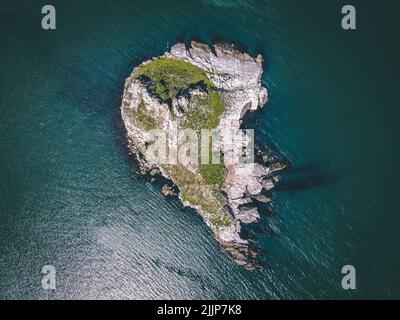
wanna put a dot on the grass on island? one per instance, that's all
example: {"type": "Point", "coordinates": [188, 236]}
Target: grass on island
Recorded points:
{"type": "Point", "coordinates": [170, 77]}
{"type": "Point", "coordinates": [141, 116]}
{"type": "Point", "coordinates": [208, 112]}
{"type": "Point", "coordinates": [194, 191]}
{"type": "Point", "coordinates": [206, 116]}
{"type": "Point", "coordinates": [213, 174]}
{"type": "Point", "coordinates": [144, 118]}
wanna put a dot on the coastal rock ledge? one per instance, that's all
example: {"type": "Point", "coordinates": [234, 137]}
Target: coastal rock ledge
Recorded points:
{"type": "Point", "coordinates": [204, 88]}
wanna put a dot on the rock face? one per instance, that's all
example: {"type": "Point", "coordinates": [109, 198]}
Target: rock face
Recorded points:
{"type": "Point", "coordinates": [236, 77]}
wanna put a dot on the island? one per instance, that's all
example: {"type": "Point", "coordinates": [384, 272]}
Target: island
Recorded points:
{"type": "Point", "coordinates": [203, 92]}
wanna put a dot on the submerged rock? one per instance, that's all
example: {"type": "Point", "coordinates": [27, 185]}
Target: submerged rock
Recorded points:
{"type": "Point", "coordinates": [199, 89]}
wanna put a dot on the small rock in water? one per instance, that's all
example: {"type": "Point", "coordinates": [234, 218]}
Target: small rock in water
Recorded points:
{"type": "Point", "coordinates": [262, 198]}
{"type": "Point", "coordinates": [167, 191]}
{"type": "Point", "coordinates": [268, 183]}
{"type": "Point", "coordinates": [153, 172]}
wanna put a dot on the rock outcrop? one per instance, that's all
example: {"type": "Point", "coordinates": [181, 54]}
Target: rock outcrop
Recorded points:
{"type": "Point", "coordinates": [236, 77]}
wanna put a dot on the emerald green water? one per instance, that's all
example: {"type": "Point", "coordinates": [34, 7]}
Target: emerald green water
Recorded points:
{"type": "Point", "coordinates": [70, 196]}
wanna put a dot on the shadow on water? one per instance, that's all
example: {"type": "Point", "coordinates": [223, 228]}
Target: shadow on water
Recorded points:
{"type": "Point", "coordinates": [305, 177]}
{"type": "Point", "coordinates": [295, 178]}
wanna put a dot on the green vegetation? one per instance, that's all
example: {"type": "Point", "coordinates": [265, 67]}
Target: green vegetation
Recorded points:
{"type": "Point", "coordinates": [213, 173]}
{"type": "Point", "coordinates": [194, 191]}
{"type": "Point", "coordinates": [170, 77]}
{"type": "Point", "coordinates": [144, 118]}
{"type": "Point", "coordinates": [207, 113]}
{"type": "Point", "coordinates": [141, 116]}
{"type": "Point", "coordinates": [206, 116]}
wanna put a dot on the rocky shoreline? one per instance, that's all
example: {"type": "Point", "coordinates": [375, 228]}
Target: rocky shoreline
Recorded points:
{"type": "Point", "coordinates": [236, 77]}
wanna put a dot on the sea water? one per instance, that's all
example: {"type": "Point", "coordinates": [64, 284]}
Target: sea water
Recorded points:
{"type": "Point", "coordinates": [70, 196]}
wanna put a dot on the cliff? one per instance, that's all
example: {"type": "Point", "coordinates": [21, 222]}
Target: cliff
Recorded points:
{"type": "Point", "coordinates": [170, 99]}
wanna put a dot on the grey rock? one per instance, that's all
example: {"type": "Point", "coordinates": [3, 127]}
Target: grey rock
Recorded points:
{"type": "Point", "coordinates": [262, 198]}
{"type": "Point", "coordinates": [268, 183]}
{"type": "Point", "coordinates": [154, 172]}
{"type": "Point", "coordinates": [167, 191]}
{"type": "Point", "coordinates": [248, 215]}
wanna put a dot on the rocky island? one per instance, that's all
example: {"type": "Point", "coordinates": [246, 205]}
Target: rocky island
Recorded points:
{"type": "Point", "coordinates": [189, 92]}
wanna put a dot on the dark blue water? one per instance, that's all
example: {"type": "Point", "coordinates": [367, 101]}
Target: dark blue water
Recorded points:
{"type": "Point", "coordinates": [70, 196]}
